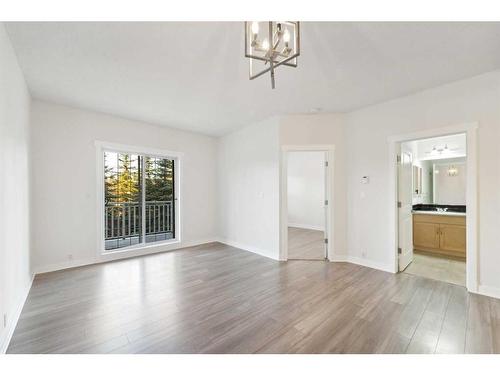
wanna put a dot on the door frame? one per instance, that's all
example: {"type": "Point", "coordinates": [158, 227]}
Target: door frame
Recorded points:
{"type": "Point", "coordinates": [329, 151]}
{"type": "Point", "coordinates": [471, 198]}
{"type": "Point", "coordinates": [400, 151]}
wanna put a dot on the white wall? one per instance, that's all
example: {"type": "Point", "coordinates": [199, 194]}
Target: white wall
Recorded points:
{"type": "Point", "coordinates": [306, 189]}
{"type": "Point", "coordinates": [64, 180]}
{"type": "Point", "coordinates": [367, 131]}
{"type": "Point", "coordinates": [15, 275]}
{"type": "Point", "coordinates": [248, 188]}
{"type": "Point", "coordinates": [324, 129]}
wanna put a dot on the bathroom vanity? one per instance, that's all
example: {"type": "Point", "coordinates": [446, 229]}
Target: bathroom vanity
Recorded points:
{"type": "Point", "coordinates": [440, 230]}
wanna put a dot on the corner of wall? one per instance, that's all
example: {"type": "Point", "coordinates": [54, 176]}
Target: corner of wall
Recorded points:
{"type": "Point", "coordinates": [15, 108]}
{"type": "Point", "coordinates": [14, 314]}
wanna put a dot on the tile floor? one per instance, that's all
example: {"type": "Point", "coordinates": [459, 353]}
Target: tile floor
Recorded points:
{"type": "Point", "coordinates": [442, 269]}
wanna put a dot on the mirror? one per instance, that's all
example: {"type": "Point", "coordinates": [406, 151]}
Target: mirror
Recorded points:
{"type": "Point", "coordinates": [423, 191]}
{"type": "Point", "coordinates": [417, 180]}
{"type": "Point", "coordinates": [439, 181]}
{"type": "Point", "coordinates": [449, 181]}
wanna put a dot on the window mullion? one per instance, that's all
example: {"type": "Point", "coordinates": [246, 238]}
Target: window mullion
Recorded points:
{"type": "Point", "coordinates": [143, 198]}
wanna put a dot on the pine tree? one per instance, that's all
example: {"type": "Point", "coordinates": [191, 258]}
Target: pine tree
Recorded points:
{"type": "Point", "coordinates": [128, 178]}
{"type": "Point", "coordinates": [159, 179]}
{"type": "Point", "coordinates": [122, 180]}
{"type": "Point", "coordinates": [109, 181]}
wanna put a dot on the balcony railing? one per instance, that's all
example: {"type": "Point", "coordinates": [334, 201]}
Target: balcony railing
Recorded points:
{"type": "Point", "coordinates": [123, 222]}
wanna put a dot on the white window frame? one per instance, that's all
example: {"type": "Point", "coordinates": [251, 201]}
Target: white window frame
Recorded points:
{"type": "Point", "coordinates": [142, 248]}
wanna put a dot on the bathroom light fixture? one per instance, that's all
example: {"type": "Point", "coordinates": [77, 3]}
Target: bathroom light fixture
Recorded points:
{"type": "Point", "coordinates": [275, 44]}
{"type": "Point", "coordinates": [315, 110]}
{"type": "Point", "coordinates": [452, 171]}
{"type": "Point", "coordinates": [441, 150]}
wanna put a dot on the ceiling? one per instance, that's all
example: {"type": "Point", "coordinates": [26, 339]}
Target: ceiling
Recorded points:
{"type": "Point", "coordinates": [193, 76]}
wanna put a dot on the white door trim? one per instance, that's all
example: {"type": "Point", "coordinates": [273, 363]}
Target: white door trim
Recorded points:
{"type": "Point", "coordinates": [405, 219]}
{"type": "Point", "coordinates": [470, 129]}
{"type": "Point", "coordinates": [329, 225]}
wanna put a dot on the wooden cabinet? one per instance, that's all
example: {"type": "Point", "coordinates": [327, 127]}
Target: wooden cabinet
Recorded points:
{"type": "Point", "coordinates": [425, 235]}
{"type": "Point", "coordinates": [452, 238]}
{"type": "Point", "coordinates": [439, 234]}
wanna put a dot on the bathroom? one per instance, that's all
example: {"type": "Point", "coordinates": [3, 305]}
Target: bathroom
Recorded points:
{"type": "Point", "coordinates": [438, 179]}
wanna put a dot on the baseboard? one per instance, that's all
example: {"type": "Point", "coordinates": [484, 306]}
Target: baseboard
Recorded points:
{"type": "Point", "coordinates": [339, 258]}
{"type": "Point", "coordinates": [489, 291]}
{"type": "Point", "coordinates": [306, 226]}
{"type": "Point", "coordinates": [484, 290]}
{"type": "Point", "coordinates": [245, 247]}
{"type": "Point", "coordinates": [63, 265]}
{"type": "Point", "coordinates": [336, 258]}
{"type": "Point", "coordinates": [85, 262]}
{"type": "Point", "coordinates": [363, 262]}
{"type": "Point", "coordinates": [149, 249]}
{"type": "Point", "coordinates": [14, 318]}
{"type": "Point", "coordinates": [371, 264]}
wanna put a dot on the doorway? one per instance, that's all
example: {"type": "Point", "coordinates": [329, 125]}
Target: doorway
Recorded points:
{"type": "Point", "coordinates": [436, 204]}
{"type": "Point", "coordinates": [432, 173]}
{"type": "Point", "coordinates": [306, 205]}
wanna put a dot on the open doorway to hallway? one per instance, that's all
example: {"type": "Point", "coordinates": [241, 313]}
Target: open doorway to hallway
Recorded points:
{"type": "Point", "coordinates": [306, 195]}
{"type": "Point", "coordinates": [432, 180]}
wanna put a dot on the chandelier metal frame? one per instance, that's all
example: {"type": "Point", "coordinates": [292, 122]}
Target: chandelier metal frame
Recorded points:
{"type": "Point", "coordinates": [277, 51]}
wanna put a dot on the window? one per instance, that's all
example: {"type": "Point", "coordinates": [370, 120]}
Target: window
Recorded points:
{"type": "Point", "coordinates": [139, 199]}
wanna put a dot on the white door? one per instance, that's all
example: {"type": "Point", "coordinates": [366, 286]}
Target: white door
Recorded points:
{"type": "Point", "coordinates": [405, 231]}
{"type": "Point", "coordinates": [325, 187]}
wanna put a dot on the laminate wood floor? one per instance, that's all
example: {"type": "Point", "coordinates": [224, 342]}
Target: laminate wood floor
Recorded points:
{"type": "Point", "coordinates": [306, 244]}
{"type": "Point", "coordinates": [217, 299]}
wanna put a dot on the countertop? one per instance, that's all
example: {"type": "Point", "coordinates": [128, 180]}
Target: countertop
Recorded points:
{"type": "Point", "coordinates": [442, 213]}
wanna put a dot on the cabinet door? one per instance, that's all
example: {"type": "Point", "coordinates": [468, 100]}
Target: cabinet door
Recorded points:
{"type": "Point", "coordinates": [453, 238]}
{"type": "Point", "coordinates": [425, 235]}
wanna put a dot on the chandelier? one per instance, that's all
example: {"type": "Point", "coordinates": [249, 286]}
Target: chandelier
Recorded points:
{"type": "Point", "coordinates": [452, 171]}
{"type": "Point", "coordinates": [272, 45]}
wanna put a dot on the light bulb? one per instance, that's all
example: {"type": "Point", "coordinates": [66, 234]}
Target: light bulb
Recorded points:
{"type": "Point", "coordinates": [286, 36]}
{"type": "Point", "coordinates": [255, 27]}
{"type": "Point", "coordinates": [265, 44]}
